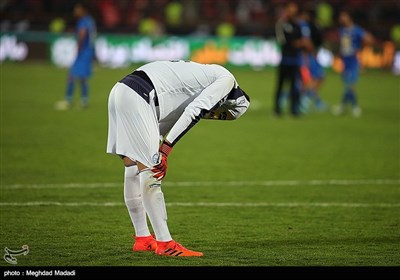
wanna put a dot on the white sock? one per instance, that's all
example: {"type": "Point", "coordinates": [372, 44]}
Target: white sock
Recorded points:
{"type": "Point", "coordinates": [133, 201]}
{"type": "Point", "coordinates": [153, 202]}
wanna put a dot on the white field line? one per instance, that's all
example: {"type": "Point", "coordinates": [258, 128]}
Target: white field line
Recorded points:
{"type": "Point", "coordinates": [333, 182]}
{"type": "Point", "coordinates": [209, 204]}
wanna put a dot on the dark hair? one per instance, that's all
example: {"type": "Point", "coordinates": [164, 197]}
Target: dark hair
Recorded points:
{"type": "Point", "coordinates": [84, 4]}
{"type": "Point", "coordinates": [292, 2]}
{"type": "Point", "coordinates": [347, 12]}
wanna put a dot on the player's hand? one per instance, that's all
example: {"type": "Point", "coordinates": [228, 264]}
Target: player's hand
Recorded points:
{"type": "Point", "coordinates": [160, 170]}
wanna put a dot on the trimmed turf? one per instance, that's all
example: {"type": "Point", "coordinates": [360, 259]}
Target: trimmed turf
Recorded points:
{"type": "Point", "coordinates": [243, 216]}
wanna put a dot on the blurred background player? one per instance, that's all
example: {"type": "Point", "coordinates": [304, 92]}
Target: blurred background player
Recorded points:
{"type": "Point", "coordinates": [352, 38]}
{"type": "Point", "coordinates": [312, 72]}
{"type": "Point", "coordinates": [81, 70]}
{"type": "Point", "coordinates": [288, 35]}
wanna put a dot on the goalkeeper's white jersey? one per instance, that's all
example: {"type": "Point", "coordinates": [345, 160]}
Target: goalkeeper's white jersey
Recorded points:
{"type": "Point", "coordinates": [185, 90]}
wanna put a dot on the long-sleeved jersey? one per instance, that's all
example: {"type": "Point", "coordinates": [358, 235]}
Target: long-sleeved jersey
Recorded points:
{"type": "Point", "coordinates": [189, 91]}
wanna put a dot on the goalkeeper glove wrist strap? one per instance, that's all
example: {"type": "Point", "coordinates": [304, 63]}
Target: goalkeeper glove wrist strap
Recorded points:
{"type": "Point", "coordinates": [165, 149]}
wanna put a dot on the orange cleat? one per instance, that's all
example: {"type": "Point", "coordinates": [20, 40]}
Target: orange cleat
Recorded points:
{"type": "Point", "coordinates": [145, 243]}
{"type": "Point", "coordinates": [174, 249]}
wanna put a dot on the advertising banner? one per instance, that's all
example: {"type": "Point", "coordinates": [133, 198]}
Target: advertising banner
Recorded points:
{"type": "Point", "coordinates": [116, 51]}
{"type": "Point", "coordinates": [121, 51]}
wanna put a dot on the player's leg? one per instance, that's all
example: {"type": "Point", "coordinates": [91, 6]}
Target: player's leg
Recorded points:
{"type": "Point", "coordinates": [352, 99]}
{"type": "Point", "coordinates": [355, 109]}
{"type": "Point", "coordinates": [133, 200]}
{"type": "Point", "coordinates": [132, 193]}
{"type": "Point", "coordinates": [154, 203]}
{"type": "Point", "coordinates": [318, 102]}
{"type": "Point", "coordinates": [144, 241]}
{"type": "Point", "coordinates": [294, 76]}
{"type": "Point", "coordinates": [350, 78]}
{"type": "Point", "coordinates": [278, 93]}
{"type": "Point", "coordinates": [347, 92]}
{"type": "Point", "coordinates": [70, 89]}
{"type": "Point", "coordinates": [305, 86]}
{"type": "Point", "coordinates": [84, 92]}
{"type": "Point", "coordinates": [85, 71]}
{"type": "Point", "coordinates": [66, 103]}
{"type": "Point", "coordinates": [151, 189]}
{"type": "Point", "coordinates": [75, 73]}
{"type": "Point", "coordinates": [318, 75]}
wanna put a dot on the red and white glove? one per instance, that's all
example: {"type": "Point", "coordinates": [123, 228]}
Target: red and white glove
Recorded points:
{"type": "Point", "coordinates": [160, 170]}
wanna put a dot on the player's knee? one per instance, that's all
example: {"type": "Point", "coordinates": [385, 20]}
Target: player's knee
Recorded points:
{"type": "Point", "coordinates": [151, 185]}
{"type": "Point", "coordinates": [148, 183]}
{"type": "Point", "coordinates": [152, 195]}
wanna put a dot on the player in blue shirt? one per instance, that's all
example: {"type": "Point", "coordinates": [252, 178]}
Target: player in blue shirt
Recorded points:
{"type": "Point", "coordinates": [312, 72]}
{"type": "Point", "coordinates": [81, 70]}
{"type": "Point", "coordinates": [291, 41]}
{"type": "Point", "coordinates": [352, 38]}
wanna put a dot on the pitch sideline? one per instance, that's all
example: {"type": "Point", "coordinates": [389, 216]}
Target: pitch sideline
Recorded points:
{"type": "Point", "coordinates": [330, 182]}
{"type": "Point", "coordinates": [208, 204]}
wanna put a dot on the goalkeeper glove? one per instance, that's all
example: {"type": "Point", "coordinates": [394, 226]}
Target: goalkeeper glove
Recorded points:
{"type": "Point", "coordinates": [160, 170]}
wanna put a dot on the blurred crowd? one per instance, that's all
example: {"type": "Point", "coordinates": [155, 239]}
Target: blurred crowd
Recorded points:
{"type": "Point", "coordinates": [187, 17]}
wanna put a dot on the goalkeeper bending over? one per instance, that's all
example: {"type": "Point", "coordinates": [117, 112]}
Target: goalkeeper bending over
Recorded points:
{"type": "Point", "coordinates": [160, 102]}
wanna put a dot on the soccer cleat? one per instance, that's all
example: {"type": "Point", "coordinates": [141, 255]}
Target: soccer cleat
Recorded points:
{"type": "Point", "coordinates": [338, 110]}
{"type": "Point", "coordinates": [62, 105]}
{"type": "Point", "coordinates": [84, 104]}
{"type": "Point", "coordinates": [320, 106]}
{"type": "Point", "coordinates": [145, 243]}
{"type": "Point", "coordinates": [356, 111]}
{"type": "Point", "coordinates": [174, 249]}
{"type": "Point", "coordinates": [304, 104]}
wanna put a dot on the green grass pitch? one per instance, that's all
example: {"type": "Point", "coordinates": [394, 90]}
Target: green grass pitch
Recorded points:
{"type": "Point", "coordinates": [317, 191]}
